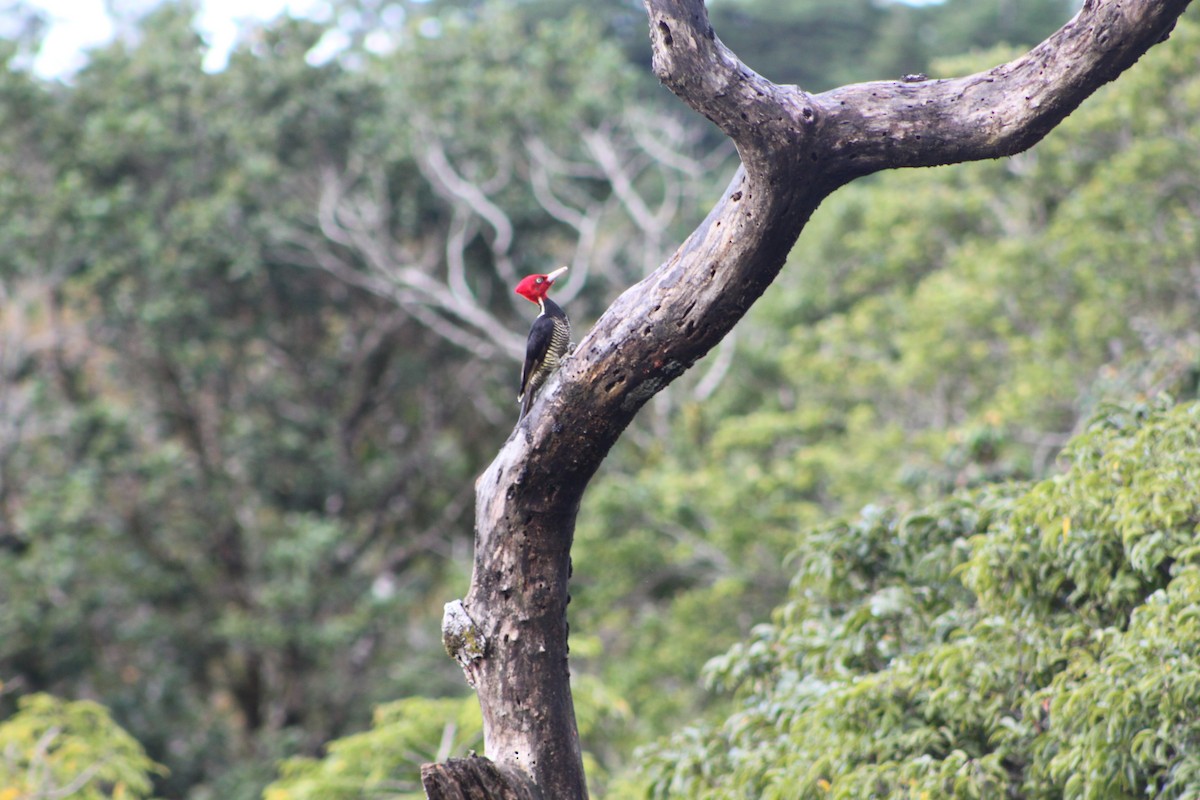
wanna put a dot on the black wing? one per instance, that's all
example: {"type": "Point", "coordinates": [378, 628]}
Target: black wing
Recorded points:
{"type": "Point", "coordinates": [541, 335]}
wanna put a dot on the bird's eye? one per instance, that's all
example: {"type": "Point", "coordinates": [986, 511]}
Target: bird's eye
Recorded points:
{"type": "Point", "coordinates": [540, 280]}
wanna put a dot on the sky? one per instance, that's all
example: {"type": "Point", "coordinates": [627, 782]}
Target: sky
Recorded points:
{"type": "Point", "coordinates": [76, 25]}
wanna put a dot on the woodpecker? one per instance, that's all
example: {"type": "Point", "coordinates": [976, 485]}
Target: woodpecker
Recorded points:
{"type": "Point", "coordinates": [549, 338]}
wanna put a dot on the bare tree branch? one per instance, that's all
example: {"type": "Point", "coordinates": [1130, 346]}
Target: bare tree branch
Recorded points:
{"type": "Point", "coordinates": [359, 223]}
{"type": "Point", "coordinates": [667, 139]}
{"type": "Point", "coordinates": [1001, 111]}
{"type": "Point", "coordinates": [716, 372]}
{"type": "Point", "coordinates": [616, 199]}
{"type": "Point", "coordinates": [437, 169]}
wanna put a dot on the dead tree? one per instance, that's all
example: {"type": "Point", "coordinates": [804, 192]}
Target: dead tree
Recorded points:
{"type": "Point", "coordinates": [510, 632]}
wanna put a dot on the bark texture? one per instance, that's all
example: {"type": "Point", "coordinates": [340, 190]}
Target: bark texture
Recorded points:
{"type": "Point", "coordinates": [796, 148]}
{"type": "Point", "coordinates": [474, 779]}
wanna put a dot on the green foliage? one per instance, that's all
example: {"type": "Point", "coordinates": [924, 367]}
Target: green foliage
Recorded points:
{"type": "Point", "coordinates": [57, 748]}
{"type": "Point", "coordinates": [384, 761]}
{"type": "Point", "coordinates": [225, 474]}
{"type": "Point", "coordinates": [489, 84]}
{"type": "Point", "coordinates": [820, 44]}
{"type": "Point", "coordinates": [815, 43]}
{"type": "Point", "coordinates": [510, 75]}
{"type": "Point", "coordinates": [1109, 529]}
{"type": "Point", "coordinates": [1122, 725]}
{"type": "Point", "coordinates": [1064, 664]}
{"type": "Point", "coordinates": [234, 490]}
{"type": "Point", "coordinates": [201, 497]}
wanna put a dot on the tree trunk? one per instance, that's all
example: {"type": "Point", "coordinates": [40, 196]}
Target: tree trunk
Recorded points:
{"type": "Point", "coordinates": [475, 779]}
{"type": "Point", "coordinates": [510, 633]}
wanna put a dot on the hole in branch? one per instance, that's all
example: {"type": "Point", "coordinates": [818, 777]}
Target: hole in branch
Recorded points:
{"type": "Point", "coordinates": [665, 30]}
{"type": "Point", "coordinates": [683, 317]}
{"type": "Point", "coordinates": [615, 382]}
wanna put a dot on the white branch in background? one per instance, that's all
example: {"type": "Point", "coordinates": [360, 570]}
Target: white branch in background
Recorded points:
{"type": "Point", "coordinates": [437, 169]}
{"type": "Point", "coordinates": [624, 165]}
{"type": "Point", "coordinates": [718, 369]}
{"type": "Point", "coordinates": [603, 150]}
{"type": "Point", "coordinates": [355, 226]}
{"type": "Point", "coordinates": [668, 139]}
{"type": "Point", "coordinates": [462, 231]}
{"type": "Point", "coordinates": [545, 170]}
{"type": "Point", "coordinates": [600, 200]}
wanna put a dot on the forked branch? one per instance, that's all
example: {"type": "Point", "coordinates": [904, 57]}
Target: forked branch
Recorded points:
{"type": "Point", "coordinates": [795, 148]}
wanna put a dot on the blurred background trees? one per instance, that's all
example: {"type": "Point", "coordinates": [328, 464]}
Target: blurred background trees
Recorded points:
{"type": "Point", "coordinates": [257, 337]}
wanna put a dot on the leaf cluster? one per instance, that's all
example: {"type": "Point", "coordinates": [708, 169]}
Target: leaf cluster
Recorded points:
{"type": "Point", "coordinates": [384, 761]}
{"type": "Point", "coordinates": [54, 748]}
{"type": "Point", "coordinates": [1034, 641]}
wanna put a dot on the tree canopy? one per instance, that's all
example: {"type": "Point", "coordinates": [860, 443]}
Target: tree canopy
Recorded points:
{"type": "Point", "coordinates": [1030, 640]}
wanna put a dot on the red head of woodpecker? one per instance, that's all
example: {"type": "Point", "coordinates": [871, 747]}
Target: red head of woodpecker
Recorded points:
{"type": "Point", "coordinates": [549, 338]}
